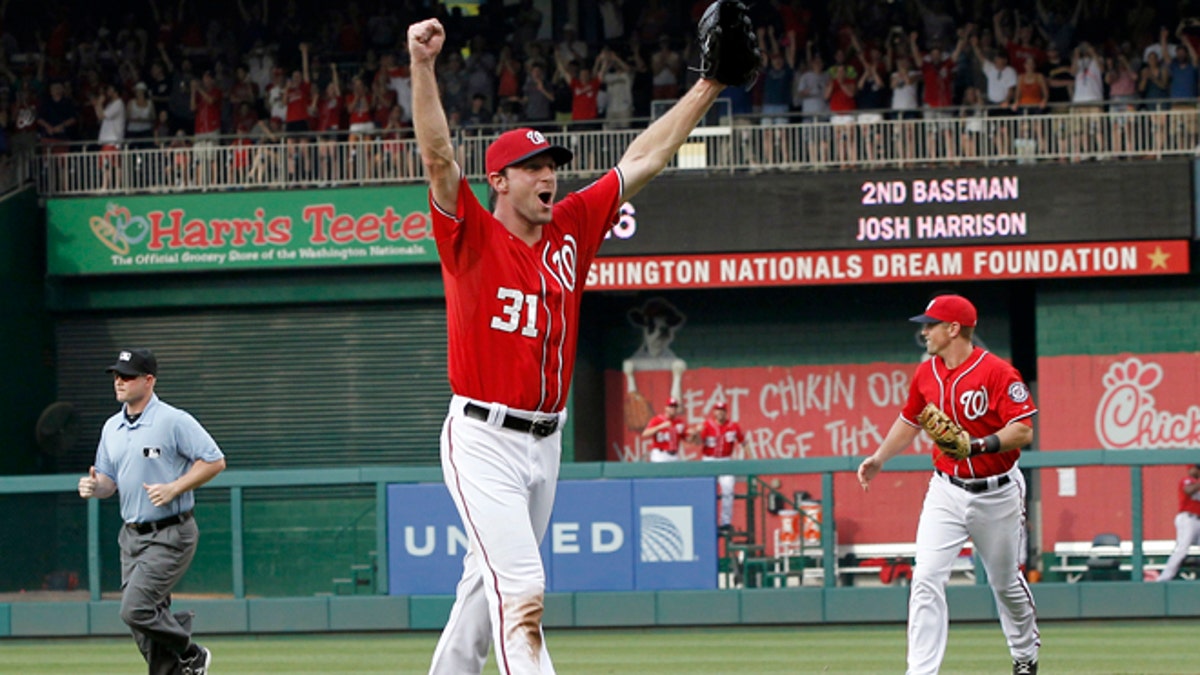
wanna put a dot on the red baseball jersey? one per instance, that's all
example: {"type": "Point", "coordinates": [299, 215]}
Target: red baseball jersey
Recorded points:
{"type": "Point", "coordinates": [719, 440]}
{"type": "Point", "coordinates": [1186, 502]}
{"type": "Point", "coordinates": [983, 395]}
{"type": "Point", "coordinates": [667, 439]}
{"type": "Point", "coordinates": [512, 310]}
{"type": "Point", "coordinates": [208, 113]}
{"type": "Point", "coordinates": [298, 97]}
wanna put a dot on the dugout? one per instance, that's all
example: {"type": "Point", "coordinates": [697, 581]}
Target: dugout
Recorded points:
{"type": "Point", "coordinates": [340, 364]}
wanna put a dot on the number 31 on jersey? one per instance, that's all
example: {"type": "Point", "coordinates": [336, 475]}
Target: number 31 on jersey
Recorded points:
{"type": "Point", "coordinates": [514, 301]}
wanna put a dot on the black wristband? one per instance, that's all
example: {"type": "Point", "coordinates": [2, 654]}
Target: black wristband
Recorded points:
{"type": "Point", "coordinates": [987, 444]}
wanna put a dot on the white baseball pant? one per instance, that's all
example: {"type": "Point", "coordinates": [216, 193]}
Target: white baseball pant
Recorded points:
{"type": "Point", "coordinates": [1187, 532]}
{"type": "Point", "coordinates": [503, 483]}
{"type": "Point", "coordinates": [995, 521]}
{"type": "Point", "coordinates": [657, 455]}
{"type": "Point", "coordinates": [725, 485]}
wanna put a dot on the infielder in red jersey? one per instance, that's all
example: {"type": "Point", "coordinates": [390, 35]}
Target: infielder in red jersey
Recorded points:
{"type": "Point", "coordinates": [719, 438]}
{"type": "Point", "coordinates": [1187, 522]}
{"type": "Point", "coordinates": [514, 280]}
{"type": "Point", "coordinates": [981, 497]}
{"type": "Point", "coordinates": [665, 431]}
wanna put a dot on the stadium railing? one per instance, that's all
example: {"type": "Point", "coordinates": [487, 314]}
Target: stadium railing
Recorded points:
{"type": "Point", "coordinates": [237, 481]}
{"type": "Point", "coordinates": [726, 144]}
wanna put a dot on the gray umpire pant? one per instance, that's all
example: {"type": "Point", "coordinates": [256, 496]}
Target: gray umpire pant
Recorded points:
{"type": "Point", "coordinates": [151, 565]}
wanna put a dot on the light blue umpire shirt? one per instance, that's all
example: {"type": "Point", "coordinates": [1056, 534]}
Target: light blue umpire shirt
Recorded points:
{"type": "Point", "coordinates": [159, 447]}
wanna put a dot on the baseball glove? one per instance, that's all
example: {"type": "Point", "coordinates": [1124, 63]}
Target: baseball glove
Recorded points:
{"type": "Point", "coordinates": [637, 411]}
{"type": "Point", "coordinates": [945, 432]}
{"type": "Point", "coordinates": [729, 50]}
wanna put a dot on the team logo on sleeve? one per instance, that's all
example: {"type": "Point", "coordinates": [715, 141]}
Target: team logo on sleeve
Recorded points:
{"type": "Point", "coordinates": [1018, 392]}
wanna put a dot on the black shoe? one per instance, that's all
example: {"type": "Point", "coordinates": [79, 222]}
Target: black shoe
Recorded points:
{"type": "Point", "coordinates": [198, 664]}
{"type": "Point", "coordinates": [725, 530]}
{"type": "Point", "coordinates": [1024, 667]}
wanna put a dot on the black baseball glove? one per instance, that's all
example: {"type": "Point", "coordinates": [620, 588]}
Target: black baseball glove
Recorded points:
{"type": "Point", "coordinates": [729, 50]}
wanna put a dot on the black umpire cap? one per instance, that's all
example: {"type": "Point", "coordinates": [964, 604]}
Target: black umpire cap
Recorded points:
{"type": "Point", "coordinates": [134, 362]}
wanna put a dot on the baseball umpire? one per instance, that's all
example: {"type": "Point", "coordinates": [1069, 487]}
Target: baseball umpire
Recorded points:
{"type": "Point", "coordinates": [155, 455]}
{"type": "Point", "coordinates": [514, 281]}
{"type": "Point", "coordinates": [979, 413]}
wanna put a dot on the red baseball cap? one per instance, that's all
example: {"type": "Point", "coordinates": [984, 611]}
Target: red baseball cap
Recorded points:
{"type": "Point", "coordinates": [518, 145]}
{"type": "Point", "coordinates": [948, 308]}
{"type": "Point", "coordinates": [720, 406]}
{"type": "Point", "coordinates": [672, 401]}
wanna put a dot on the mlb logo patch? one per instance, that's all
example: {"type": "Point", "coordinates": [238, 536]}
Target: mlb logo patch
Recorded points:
{"type": "Point", "coordinates": [151, 453]}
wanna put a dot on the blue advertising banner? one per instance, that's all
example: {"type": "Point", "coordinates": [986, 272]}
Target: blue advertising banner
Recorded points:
{"type": "Point", "coordinates": [604, 535]}
{"type": "Point", "coordinates": [590, 544]}
{"type": "Point", "coordinates": [426, 542]}
{"type": "Point", "coordinates": [676, 527]}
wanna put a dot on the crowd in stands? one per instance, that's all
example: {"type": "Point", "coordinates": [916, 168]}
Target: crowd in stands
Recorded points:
{"type": "Point", "coordinates": [174, 73]}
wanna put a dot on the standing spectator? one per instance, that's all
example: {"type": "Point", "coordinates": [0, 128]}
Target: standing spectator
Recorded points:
{"type": "Point", "coordinates": [297, 96]}
{"type": "Point", "coordinates": [1033, 94]}
{"type": "Point", "coordinates": [155, 456]}
{"type": "Point", "coordinates": [872, 98]}
{"type": "Point", "coordinates": [666, 69]}
{"type": "Point", "coordinates": [260, 66]}
{"type": "Point", "coordinates": [243, 89]}
{"type": "Point", "coordinates": [937, 73]}
{"type": "Point", "coordinates": [180, 100]}
{"type": "Point", "coordinates": [973, 122]}
{"type": "Point", "coordinates": [840, 92]}
{"type": "Point", "coordinates": [328, 110]}
{"type": "Point", "coordinates": [508, 77]}
{"type": "Point", "coordinates": [159, 86]}
{"type": "Point", "coordinates": [905, 109]}
{"type": "Point", "coordinates": [1183, 89]}
{"type": "Point", "coordinates": [1088, 70]}
{"type": "Point", "coordinates": [980, 497]}
{"type": "Point", "coordinates": [1153, 86]}
{"type": "Point", "coordinates": [538, 97]}
{"type": "Point", "coordinates": [1001, 92]}
{"type": "Point", "coordinates": [453, 84]}
{"type": "Point", "coordinates": [206, 105]}
{"type": "Point", "coordinates": [564, 96]}
{"type": "Point", "coordinates": [110, 110]}
{"type": "Point", "coordinates": [139, 115]}
{"type": "Point", "coordinates": [276, 97]}
{"type": "Point", "coordinates": [1122, 92]}
{"type": "Point", "coordinates": [618, 84]}
{"type": "Point", "coordinates": [1019, 46]}
{"type": "Point", "coordinates": [809, 97]}
{"type": "Point", "coordinates": [585, 89]}
{"type": "Point", "coordinates": [360, 110]}
{"type": "Point", "coordinates": [777, 82]}
{"type": "Point", "coordinates": [1187, 522]}
{"type": "Point", "coordinates": [57, 117]}
{"type": "Point", "coordinates": [721, 440]}
{"type": "Point", "coordinates": [665, 431]}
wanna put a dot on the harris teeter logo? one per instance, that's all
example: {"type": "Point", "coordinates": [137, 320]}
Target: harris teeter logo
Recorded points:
{"type": "Point", "coordinates": [243, 231]}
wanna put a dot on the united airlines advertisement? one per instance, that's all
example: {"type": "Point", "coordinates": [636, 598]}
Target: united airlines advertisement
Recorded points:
{"type": "Point", "coordinates": [605, 535]}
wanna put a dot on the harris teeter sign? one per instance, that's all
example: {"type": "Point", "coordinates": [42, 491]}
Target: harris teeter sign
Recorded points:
{"type": "Point", "coordinates": [240, 230]}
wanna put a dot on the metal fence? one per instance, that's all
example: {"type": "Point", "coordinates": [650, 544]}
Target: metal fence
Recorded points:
{"type": "Point", "coordinates": [842, 142]}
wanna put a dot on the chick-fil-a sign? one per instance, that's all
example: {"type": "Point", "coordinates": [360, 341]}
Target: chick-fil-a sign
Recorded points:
{"type": "Point", "coordinates": [1120, 402]}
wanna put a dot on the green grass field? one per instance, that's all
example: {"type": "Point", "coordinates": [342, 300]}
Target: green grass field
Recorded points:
{"type": "Point", "coordinates": [1150, 646]}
